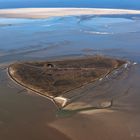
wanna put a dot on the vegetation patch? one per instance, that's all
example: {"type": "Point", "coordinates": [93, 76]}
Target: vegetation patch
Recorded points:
{"type": "Point", "coordinates": [55, 78]}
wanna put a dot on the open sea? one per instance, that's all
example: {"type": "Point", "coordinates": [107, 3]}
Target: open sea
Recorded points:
{"type": "Point", "coordinates": [120, 4]}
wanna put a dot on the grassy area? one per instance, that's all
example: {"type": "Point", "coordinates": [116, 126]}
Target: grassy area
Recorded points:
{"type": "Point", "coordinates": [55, 78]}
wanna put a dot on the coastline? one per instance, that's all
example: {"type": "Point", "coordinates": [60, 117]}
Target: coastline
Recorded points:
{"type": "Point", "coordinates": [30, 89]}
{"type": "Point", "coordinates": [40, 13]}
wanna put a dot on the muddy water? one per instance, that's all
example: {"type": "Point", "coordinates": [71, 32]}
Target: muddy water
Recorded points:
{"type": "Point", "coordinates": [25, 115]}
{"type": "Point", "coordinates": [121, 121]}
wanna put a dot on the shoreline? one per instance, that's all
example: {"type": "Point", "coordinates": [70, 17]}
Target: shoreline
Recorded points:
{"type": "Point", "coordinates": [30, 89]}
{"type": "Point", "coordinates": [40, 13]}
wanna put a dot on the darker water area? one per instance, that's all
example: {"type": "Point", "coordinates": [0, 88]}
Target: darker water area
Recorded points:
{"type": "Point", "coordinates": [117, 4]}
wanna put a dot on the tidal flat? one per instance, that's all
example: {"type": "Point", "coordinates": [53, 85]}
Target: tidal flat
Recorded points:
{"type": "Point", "coordinates": [25, 115]}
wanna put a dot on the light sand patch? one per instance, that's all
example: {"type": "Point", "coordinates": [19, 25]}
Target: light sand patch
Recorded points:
{"type": "Point", "coordinates": [53, 12]}
{"type": "Point", "coordinates": [91, 112]}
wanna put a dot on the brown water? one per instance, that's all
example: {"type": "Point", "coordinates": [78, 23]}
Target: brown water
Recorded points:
{"type": "Point", "coordinates": [121, 121]}
{"type": "Point", "coordinates": [24, 115]}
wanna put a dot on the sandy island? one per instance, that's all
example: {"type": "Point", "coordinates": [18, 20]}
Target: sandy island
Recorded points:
{"type": "Point", "coordinates": [53, 12]}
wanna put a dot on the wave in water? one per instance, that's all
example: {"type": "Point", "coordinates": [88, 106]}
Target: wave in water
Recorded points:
{"type": "Point", "coordinates": [95, 32]}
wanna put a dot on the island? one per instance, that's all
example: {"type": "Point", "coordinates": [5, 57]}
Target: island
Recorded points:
{"type": "Point", "coordinates": [54, 79]}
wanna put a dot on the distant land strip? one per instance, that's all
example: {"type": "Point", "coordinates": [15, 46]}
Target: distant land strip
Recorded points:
{"type": "Point", "coordinates": [37, 13]}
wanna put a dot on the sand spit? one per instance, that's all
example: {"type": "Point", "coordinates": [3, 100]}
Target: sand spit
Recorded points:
{"type": "Point", "coordinates": [53, 12]}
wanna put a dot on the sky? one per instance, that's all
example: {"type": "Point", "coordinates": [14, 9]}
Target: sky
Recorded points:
{"type": "Point", "coordinates": [124, 4]}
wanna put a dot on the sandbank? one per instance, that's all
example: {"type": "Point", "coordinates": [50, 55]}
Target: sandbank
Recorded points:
{"type": "Point", "coordinates": [36, 13]}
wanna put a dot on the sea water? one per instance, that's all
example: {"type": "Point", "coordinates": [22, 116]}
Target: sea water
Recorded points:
{"type": "Point", "coordinates": [71, 35]}
{"type": "Point", "coordinates": [123, 4]}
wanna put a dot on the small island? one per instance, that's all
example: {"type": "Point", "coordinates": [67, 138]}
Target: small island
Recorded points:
{"type": "Point", "coordinates": [55, 78]}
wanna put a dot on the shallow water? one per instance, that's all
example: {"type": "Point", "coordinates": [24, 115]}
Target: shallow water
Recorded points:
{"type": "Point", "coordinates": [83, 35]}
{"type": "Point", "coordinates": [25, 115]}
